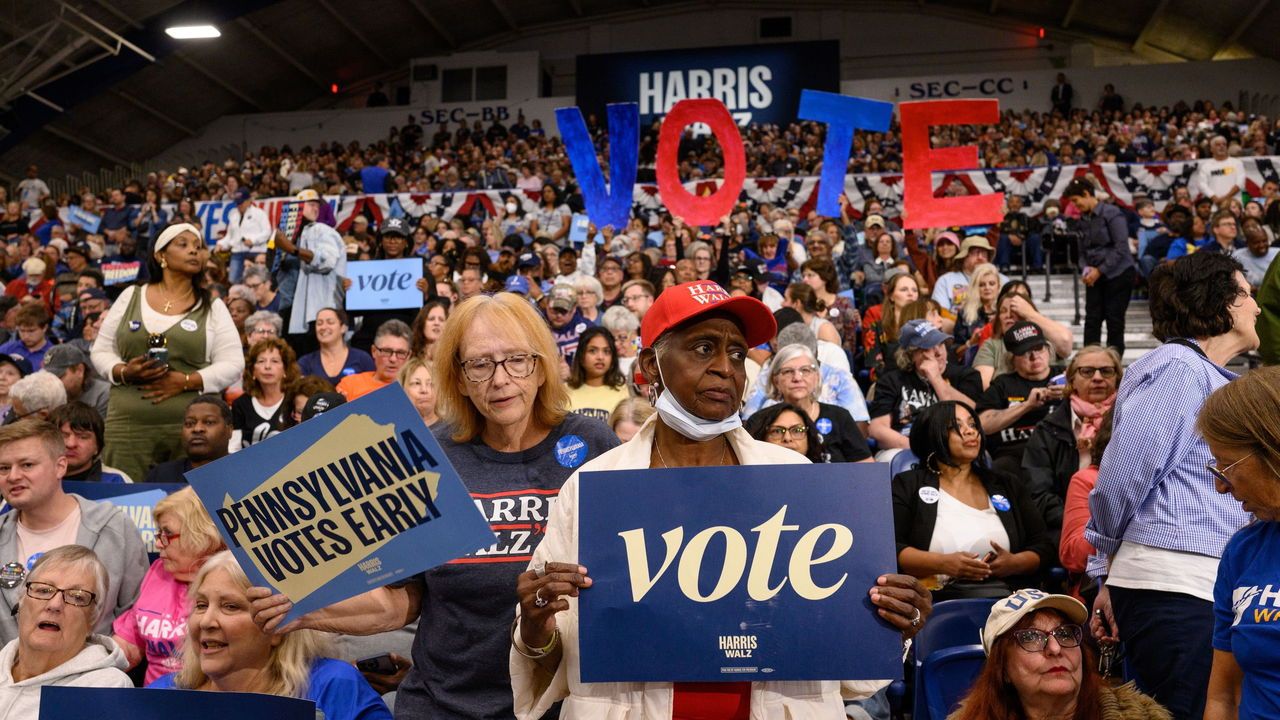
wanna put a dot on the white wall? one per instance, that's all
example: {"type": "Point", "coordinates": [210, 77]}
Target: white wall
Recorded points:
{"type": "Point", "coordinates": [364, 125]}
{"type": "Point", "coordinates": [522, 74]}
{"type": "Point", "coordinates": [1251, 84]}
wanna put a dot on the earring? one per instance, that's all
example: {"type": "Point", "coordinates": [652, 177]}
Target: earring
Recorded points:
{"type": "Point", "coordinates": [928, 462]}
{"type": "Point", "coordinates": [163, 264]}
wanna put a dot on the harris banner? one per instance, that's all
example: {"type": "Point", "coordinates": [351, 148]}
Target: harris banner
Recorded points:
{"type": "Point", "coordinates": [736, 573]}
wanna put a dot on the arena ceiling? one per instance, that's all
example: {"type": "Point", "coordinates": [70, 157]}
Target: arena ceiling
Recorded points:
{"type": "Point", "coordinates": [80, 90]}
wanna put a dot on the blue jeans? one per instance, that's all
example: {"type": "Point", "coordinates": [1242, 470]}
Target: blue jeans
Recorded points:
{"type": "Point", "coordinates": [235, 268]}
{"type": "Point", "coordinates": [1168, 646]}
{"type": "Point", "coordinates": [1007, 254]}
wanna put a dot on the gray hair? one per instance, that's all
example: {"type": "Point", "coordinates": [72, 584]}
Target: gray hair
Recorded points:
{"type": "Point", "coordinates": [41, 390]}
{"type": "Point", "coordinates": [394, 328]}
{"type": "Point", "coordinates": [257, 272]}
{"type": "Point", "coordinates": [265, 316]}
{"type": "Point", "coordinates": [785, 355]}
{"type": "Point", "coordinates": [694, 247]}
{"type": "Point", "coordinates": [620, 319]}
{"type": "Point", "coordinates": [590, 284]}
{"type": "Point", "coordinates": [798, 333]}
{"type": "Point", "coordinates": [78, 557]}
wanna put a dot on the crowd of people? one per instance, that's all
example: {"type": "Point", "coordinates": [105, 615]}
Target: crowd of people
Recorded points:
{"type": "Point", "coordinates": [1098, 506]}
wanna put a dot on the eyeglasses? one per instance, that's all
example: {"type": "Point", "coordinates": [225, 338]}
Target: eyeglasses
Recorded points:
{"type": "Point", "coordinates": [165, 539]}
{"type": "Point", "coordinates": [1221, 473]}
{"type": "Point", "coordinates": [777, 432]}
{"type": "Point", "coordinates": [1033, 640]}
{"type": "Point", "coordinates": [479, 370]}
{"type": "Point", "coordinates": [1107, 372]}
{"type": "Point", "coordinates": [388, 352]}
{"type": "Point", "coordinates": [804, 371]}
{"type": "Point", "coordinates": [74, 596]}
{"type": "Point", "coordinates": [627, 299]}
{"type": "Point", "coordinates": [264, 331]}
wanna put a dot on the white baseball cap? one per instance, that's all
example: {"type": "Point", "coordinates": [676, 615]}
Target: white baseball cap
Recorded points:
{"type": "Point", "coordinates": [1007, 612]}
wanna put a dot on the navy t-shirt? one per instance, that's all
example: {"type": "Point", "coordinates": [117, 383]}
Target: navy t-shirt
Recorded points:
{"type": "Point", "coordinates": [1246, 609]}
{"type": "Point", "coordinates": [358, 361]}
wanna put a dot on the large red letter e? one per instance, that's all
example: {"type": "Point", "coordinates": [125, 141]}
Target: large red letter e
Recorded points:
{"type": "Point", "coordinates": [923, 210]}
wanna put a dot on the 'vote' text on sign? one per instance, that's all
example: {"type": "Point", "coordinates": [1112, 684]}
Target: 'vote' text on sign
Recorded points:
{"type": "Point", "coordinates": [752, 573]}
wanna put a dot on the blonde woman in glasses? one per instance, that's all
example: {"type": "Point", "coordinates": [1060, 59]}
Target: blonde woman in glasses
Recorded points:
{"type": "Point", "coordinates": [506, 428]}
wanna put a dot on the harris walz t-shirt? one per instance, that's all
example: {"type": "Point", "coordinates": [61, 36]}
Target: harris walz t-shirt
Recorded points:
{"type": "Point", "coordinates": [902, 395]}
{"type": "Point", "coordinates": [1005, 391]}
{"type": "Point", "coordinates": [460, 654]}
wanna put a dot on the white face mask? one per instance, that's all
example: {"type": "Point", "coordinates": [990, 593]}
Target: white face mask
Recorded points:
{"type": "Point", "coordinates": [686, 423]}
{"type": "Point", "coordinates": [512, 207]}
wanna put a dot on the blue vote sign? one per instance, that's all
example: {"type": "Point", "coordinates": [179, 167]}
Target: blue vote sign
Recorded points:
{"type": "Point", "coordinates": [357, 498]}
{"type": "Point", "coordinates": [736, 573]}
{"type": "Point", "coordinates": [384, 284]}
{"type": "Point", "coordinates": [60, 703]}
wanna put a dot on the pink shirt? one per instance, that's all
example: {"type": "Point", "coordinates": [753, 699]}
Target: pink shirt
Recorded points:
{"type": "Point", "coordinates": [157, 622]}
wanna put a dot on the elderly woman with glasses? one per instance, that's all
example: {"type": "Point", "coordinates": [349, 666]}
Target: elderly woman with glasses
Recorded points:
{"type": "Point", "coordinates": [1038, 666]}
{"type": "Point", "coordinates": [1158, 525]}
{"type": "Point", "coordinates": [156, 624]}
{"type": "Point", "coordinates": [507, 429]}
{"type": "Point", "coordinates": [794, 379]}
{"type": "Point", "coordinates": [55, 643]}
{"type": "Point", "coordinates": [1062, 443]}
{"type": "Point", "coordinates": [1241, 424]}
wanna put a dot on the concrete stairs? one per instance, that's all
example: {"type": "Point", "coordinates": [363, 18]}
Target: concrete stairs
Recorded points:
{"type": "Point", "coordinates": [1138, 339]}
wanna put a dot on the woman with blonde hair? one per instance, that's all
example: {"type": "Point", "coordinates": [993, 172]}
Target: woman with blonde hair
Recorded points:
{"type": "Point", "coordinates": [978, 308]}
{"type": "Point", "coordinates": [415, 378]}
{"type": "Point", "coordinates": [507, 430]}
{"type": "Point", "coordinates": [1241, 423]}
{"type": "Point", "coordinates": [626, 419]}
{"type": "Point", "coordinates": [154, 627]}
{"type": "Point", "coordinates": [225, 652]}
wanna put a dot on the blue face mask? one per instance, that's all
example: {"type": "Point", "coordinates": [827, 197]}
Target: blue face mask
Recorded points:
{"type": "Point", "coordinates": [686, 423]}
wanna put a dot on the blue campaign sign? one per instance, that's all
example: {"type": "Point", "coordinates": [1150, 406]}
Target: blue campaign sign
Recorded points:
{"type": "Point", "coordinates": [357, 498]}
{"type": "Point", "coordinates": [758, 83]}
{"type": "Point", "coordinates": [60, 703]}
{"type": "Point", "coordinates": [85, 219]}
{"type": "Point", "coordinates": [384, 284]}
{"type": "Point", "coordinates": [736, 573]}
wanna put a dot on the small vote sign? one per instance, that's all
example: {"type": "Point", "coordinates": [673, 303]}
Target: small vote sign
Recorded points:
{"type": "Point", "coordinates": [736, 573]}
{"type": "Point", "coordinates": [384, 284]}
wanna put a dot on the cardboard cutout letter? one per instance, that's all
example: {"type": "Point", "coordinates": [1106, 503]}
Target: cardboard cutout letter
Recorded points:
{"type": "Point", "coordinates": [692, 209]}
{"type": "Point", "coordinates": [611, 206]}
{"type": "Point", "coordinates": [922, 209]}
{"type": "Point", "coordinates": [843, 114]}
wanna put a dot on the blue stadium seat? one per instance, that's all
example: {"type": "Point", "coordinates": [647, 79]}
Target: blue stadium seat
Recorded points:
{"type": "Point", "coordinates": [954, 623]}
{"type": "Point", "coordinates": [945, 679]}
{"type": "Point", "coordinates": [902, 462]}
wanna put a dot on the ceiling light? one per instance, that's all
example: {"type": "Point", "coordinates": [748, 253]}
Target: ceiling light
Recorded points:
{"type": "Point", "coordinates": [192, 32]}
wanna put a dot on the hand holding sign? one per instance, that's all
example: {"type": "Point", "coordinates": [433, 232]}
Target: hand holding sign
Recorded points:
{"type": "Point", "coordinates": [542, 592]}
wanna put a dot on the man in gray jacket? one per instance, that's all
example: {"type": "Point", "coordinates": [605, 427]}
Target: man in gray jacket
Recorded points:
{"type": "Point", "coordinates": [32, 463]}
{"type": "Point", "coordinates": [1106, 263]}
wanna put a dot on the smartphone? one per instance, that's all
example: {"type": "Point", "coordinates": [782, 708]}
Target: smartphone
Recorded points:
{"type": "Point", "coordinates": [159, 354]}
{"type": "Point", "coordinates": [378, 664]}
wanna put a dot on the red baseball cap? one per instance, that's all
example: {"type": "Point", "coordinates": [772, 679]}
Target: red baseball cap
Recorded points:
{"type": "Point", "coordinates": [681, 303]}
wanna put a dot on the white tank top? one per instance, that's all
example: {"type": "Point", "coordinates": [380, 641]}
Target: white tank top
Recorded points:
{"type": "Point", "coordinates": [962, 528]}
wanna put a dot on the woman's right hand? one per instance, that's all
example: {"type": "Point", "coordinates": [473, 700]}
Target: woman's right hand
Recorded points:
{"type": "Point", "coordinates": [558, 582]}
{"type": "Point", "coordinates": [269, 608]}
{"type": "Point", "coordinates": [965, 566]}
{"type": "Point", "coordinates": [143, 370]}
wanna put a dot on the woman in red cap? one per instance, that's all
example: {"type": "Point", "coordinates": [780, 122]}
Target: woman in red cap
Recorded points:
{"type": "Point", "coordinates": [695, 339]}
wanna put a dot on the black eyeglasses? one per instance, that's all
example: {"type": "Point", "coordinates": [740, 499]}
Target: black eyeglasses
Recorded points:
{"type": "Point", "coordinates": [777, 432]}
{"type": "Point", "coordinates": [518, 366]}
{"type": "Point", "coordinates": [1107, 372]}
{"type": "Point", "coordinates": [1221, 473]}
{"type": "Point", "coordinates": [388, 352]}
{"type": "Point", "coordinates": [1033, 640]}
{"type": "Point", "coordinates": [74, 596]}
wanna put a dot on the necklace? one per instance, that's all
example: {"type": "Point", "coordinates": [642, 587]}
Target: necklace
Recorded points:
{"type": "Point", "coordinates": [167, 302]}
{"type": "Point", "coordinates": [663, 460]}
